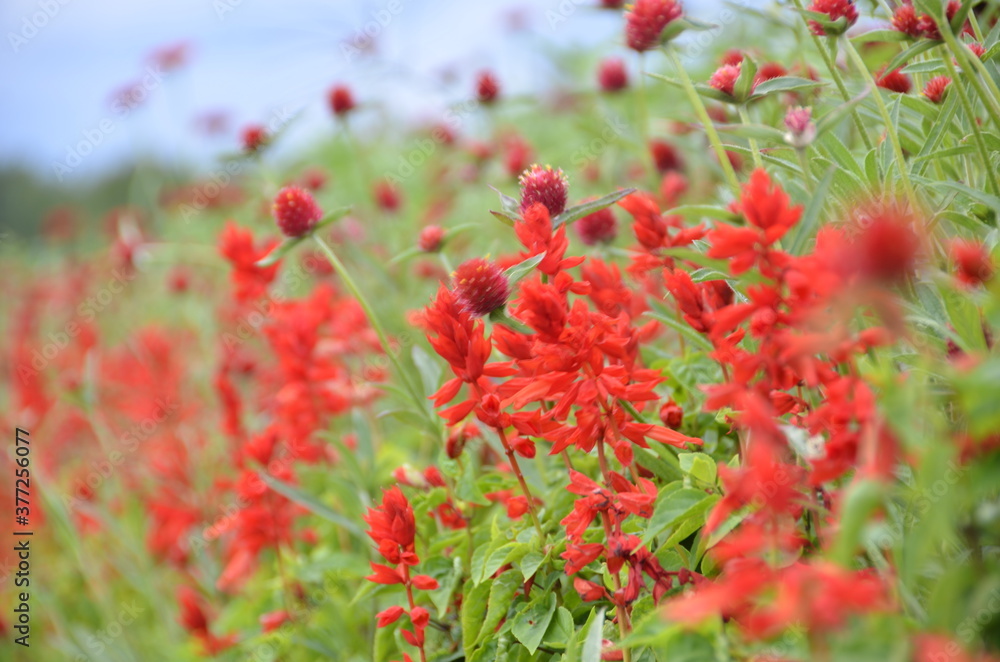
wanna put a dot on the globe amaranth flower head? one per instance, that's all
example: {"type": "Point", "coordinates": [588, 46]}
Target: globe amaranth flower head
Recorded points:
{"type": "Point", "coordinates": [612, 75]}
{"type": "Point", "coordinates": [341, 100]}
{"type": "Point", "coordinates": [936, 88]}
{"type": "Point", "coordinates": [545, 185]}
{"type": "Point", "coordinates": [295, 211]}
{"type": "Point", "coordinates": [480, 287]}
{"type": "Point", "coordinates": [600, 227]}
{"type": "Point", "coordinates": [834, 10]}
{"type": "Point", "coordinates": [487, 87]}
{"type": "Point", "coordinates": [646, 20]}
{"type": "Point", "coordinates": [253, 138]}
{"type": "Point", "coordinates": [725, 77]}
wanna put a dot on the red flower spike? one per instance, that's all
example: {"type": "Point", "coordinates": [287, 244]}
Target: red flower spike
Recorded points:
{"type": "Point", "coordinates": [646, 20]}
{"type": "Point", "coordinates": [389, 616]}
{"type": "Point", "coordinates": [546, 186]}
{"type": "Point", "coordinates": [424, 583]}
{"type": "Point", "coordinates": [296, 211]}
{"type": "Point", "coordinates": [480, 287]}
{"type": "Point", "coordinates": [612, 75]}
{"type": "Point", "coordinates": [392, 522]}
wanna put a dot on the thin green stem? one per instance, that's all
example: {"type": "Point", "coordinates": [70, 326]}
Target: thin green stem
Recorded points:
{"type": "Point", "coordinates": [968, 61]}
{"type": "Point", "coordinates": [890, 128]}
{"type": "Point", "coordinates": [831, 66]}
{"type": "Point", "coordinates": [754, 147]}
{"type": "Point", "coordinates": [642, 109]}
{"type": "Point", "coordinates": [512, 457]}
{"type": "Point", "coordinates": [959, 85]}
{"type": "Point", "coordinates": [373, 319]}
{"type": "Point", "coordinates": [702, 113]}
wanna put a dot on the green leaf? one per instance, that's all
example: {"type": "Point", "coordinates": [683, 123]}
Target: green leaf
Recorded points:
{"type": "Point", "coordinates": [756, 131]}
{"type": "Point", "coordinates": [810, 221]}
{"type": "Point", "coordinates": [475, 599]}
{"type": "Point", "coordinates": [910, 53]}
{"type": "Point", "coordinates": [744, 83]}
{"type": "Point", "coordinates": [577, 212]}
{"type": "Point", "coordinates": [532, 622]}
{"type": "Point", "coordinates": [783, 84]}
{"type": "Point", "coordinates": [429, 369]}
{"type": "Point", "coordinates": [519, 271]}
{"type": "Point", "coordinates": [699, 466]}
{"type": "Point", "coordinates": [504, 218]}
{"type": "Point", "coordinates": [530, 563]}
{"type": "Point", "coordinates": [311, 504]}
{"type": "Point", "coordinates": [831, 119]}
{"type": "Point", "coordinates": [502, 592]}
{"type": "Point", "coordinates": [593, 637]}
{"type": "Point", "coordinates": [925, 67]}
{"type": "Point", "coordinates": [702, 211]}
{"type": "Point", "coordinates": [879, 35]}
{"type": "Point", "coordinates": [862, 499]}
{"type": "Point", "coordinates": [673, 506]}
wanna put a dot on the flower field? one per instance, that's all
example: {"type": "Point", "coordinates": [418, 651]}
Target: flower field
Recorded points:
{"type": "Point", "coordinates": [691, 359]}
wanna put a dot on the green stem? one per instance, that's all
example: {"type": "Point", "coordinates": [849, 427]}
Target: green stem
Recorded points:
{"type": "Point", "coordinates": [754, 147]}
{"type": "Point", "coordinates": [642, 108]}
{"type": "Point", "coordinates": [831, 66]}
{"type": "Point", "coordinates": [373, 319]}
{"type": "Point", "coordinates": [512, 457]}
{"type": "Point", "coordinates": [968, 61]}
{"type": "Point", "coordinates": [977, 135]}
{"type": "Point", "coordinates": [702, 113]}
{"type": "Point", "coordinates": [890, 128]}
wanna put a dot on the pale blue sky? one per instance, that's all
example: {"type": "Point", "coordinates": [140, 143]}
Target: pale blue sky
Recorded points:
{"type": "Point", "coordinates": [61, 60]}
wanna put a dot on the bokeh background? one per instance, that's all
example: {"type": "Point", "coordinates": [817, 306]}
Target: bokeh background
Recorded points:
{"type": "Point", "coordinates": [91, 89]}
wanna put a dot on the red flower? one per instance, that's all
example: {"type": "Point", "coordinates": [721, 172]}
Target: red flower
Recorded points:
{"type": "Point", "coordinates": [601, 227]}
{"type": "Point", "coordinates": [671, 414]}
{"type": "Point", "coordinates": [936, 88]}
{"type": "Point", "coordinates": [665, 156]}
{"type": "Point", "coordinates": [274, 620]}
{"type": "Point", "coordinates": [487, 87]}
{"type": "Point", "coordinates": [480, 287]}
{"type": "Point", "coordinates": [295, 211]}
{"type": "Point", "coordinates": [905, 20]}
{"type": "Point", "coordinates": [254, 137]}
{"type": "Point", "coordinates": [392, 527]}
{"type": "Point", "coordinates": [724, 78]}
{"type": "Point", "coordinates": [238, 247]}
{"type": "Point", "coordinates": [612, 75]}
{"type": "Point", "coordinates": [389, 616]}
{"type": "Point", "coordinates": [646, 20]}
{"type": "Point", "coordinates": [546, 186]}
{"type": "Point", "coordinates": [973, 265]}
{"type": "Point", "coordinates": [894, 81]}
{"type": "Point", "coordinates": [835, 10]}
{"type": "Point", "coordinates": [430, 239]}
{"type": "Point", "coordinates": [386, 196]}
{"type": "Point", "coordinates": [341, 100]}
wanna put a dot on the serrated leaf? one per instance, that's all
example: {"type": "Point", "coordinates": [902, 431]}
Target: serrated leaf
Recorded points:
{"type": "Point", "coordinates": [700, 466]}
{"type": "Point", "coordinates": [673, 506]}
